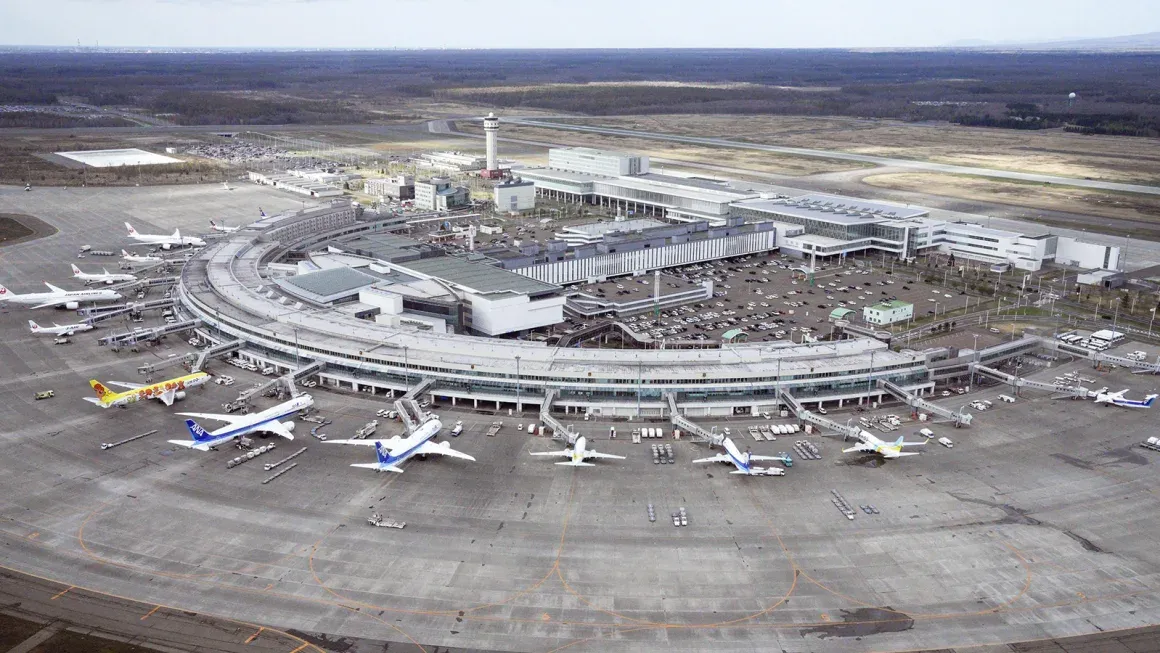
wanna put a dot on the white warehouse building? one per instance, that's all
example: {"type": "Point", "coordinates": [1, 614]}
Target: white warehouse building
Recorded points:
{"type": "Point", "coordinates": [597, 162]}
{"type": "Point", "coordinates": [514, 195]}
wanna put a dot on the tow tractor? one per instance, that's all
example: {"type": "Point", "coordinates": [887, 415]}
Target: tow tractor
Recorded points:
{"type": "Point", "coordinates": [377, 520]}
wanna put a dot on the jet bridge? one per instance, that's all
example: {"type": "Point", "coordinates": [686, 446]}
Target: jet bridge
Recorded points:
{"type": "Point", "coordinates": [165, 363]}
{"type": "Point", "coordinates": [132, 337]}
{"type": "Point", "coordinates": [559, 431]}
{"type": "Point", "coordinates": [100, 313]}
{"type": "Point", "coordinates": [146, 283]}
{"type": "Point", "coordinates": [821, 421]}
{"type": "Point", "coordinates": [959, 418]}
{"type": "Point", "coordinates": [687, 425]}
{"type": "Point", "coordinates": [287, 379]}
{"type": "Point", "coordinates": [410, 412]}
{"type": "Point", "coordinates": [220, 349]}
{"type": "Point", "coordinates": [1016, 383]}
{"type": "Point", "coordinates": [424, 385]}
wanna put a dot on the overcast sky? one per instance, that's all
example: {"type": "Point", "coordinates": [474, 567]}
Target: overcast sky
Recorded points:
{"type": "Point", "coordinates": [565, 23]}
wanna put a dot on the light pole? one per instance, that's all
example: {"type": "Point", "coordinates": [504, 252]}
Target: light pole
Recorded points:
{"type": "Point", "coordinates": [976, 336]}
{"type": "Point", "coordinates": [406, 367]}
{"type": "Point", "coordinates": [518, 386]}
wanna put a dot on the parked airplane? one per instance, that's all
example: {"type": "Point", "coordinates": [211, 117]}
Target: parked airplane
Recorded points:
{"type": "Point", "coordinates": [268, 421]}
{"type": "Point", "coordinates": [871, 444]}
{"type": "Point", "coordinates": [578, 454]}
{"type": "Point", "coordinates": [396, 451]}
{"type": "Point", "coordinates": [58, 330]}
{"type": "Point", "coordinates": [166, 242]}
{"type": "Point", "coordinates": [743, 461]}
{"type": "Point", "coordinates": [222, 227]}
{"type": "Point", "coordinates": [70, 299]}
{"type": "Point", "coordinates": [105, 277]}
{"type": "Point", "coordinates": [164, 391]}
{"type": "Point", "coordinates": [140, 258]}
{"type": "Point", "coordinates": [1117, 399]}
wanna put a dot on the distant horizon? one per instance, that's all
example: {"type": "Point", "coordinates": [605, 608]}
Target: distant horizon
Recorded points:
{"type": "Point", "coordinates": [355, 25]}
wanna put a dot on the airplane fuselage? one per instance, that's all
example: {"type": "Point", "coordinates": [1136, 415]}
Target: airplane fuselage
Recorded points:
{"type": "Point", "coordinates": [58, 298]}
{"type": "Point", "coordinates": [409, 446]}
{"type": "Point", "coordinates": [155, 390]}
{"type": "Point", "coordinates": [254, 423]}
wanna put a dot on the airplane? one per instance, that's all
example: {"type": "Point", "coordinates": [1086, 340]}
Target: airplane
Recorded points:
{"type": "Point", "coordinates": [70, 299]}
{"type": "Point", "coordinates": [58, 330]}
{"type": "Point", "coordinates": [578, 454]}
{"type": "Point", "coordinates": [871, 444]}
{"type": "Point", "coordinates": [1117, 399]}
{"type": "Point", "coordinates": [164, 391]}
{"type": "Point", "coordinates": [268, 421]}
{"type": "Point", "coordinates": [742, 461]}
{"type": "Point", "coordinates": [166, 242]}
{"type": "Point", "coordinates": [222, 227]}
{"type": "Point", "coordinates": [105, 277]}
{"type": "Point", "coordinates": [395, 451]}
{"type": "Point", "coordinates": [141, 258]}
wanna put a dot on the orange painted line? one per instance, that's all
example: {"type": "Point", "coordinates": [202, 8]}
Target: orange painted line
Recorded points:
{"type": "Point", "coordinates": [299, 648]}
{"type": "Point", "coordinates": [61, 593]}
{"type": "Point", "coordinates": [150, 613]}
{"type": "Point", "coordinates": [255, 635]}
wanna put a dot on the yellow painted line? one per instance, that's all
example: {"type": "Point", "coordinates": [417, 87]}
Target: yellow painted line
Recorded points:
{"type": "Point", "coordinates": [255, 635]}
{"type": "Point", "coordinates": [33, 536]}
{"type": "Point", "coordinates": [299, 648]}
{"type": "Point", "coordinates": [150, 613]}
{"type": "Point", "coordinates": [61, 593]}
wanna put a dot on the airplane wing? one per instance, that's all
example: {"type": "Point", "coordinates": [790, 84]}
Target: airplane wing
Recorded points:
{"type": "Point", "coordinates": [756, 457]}
{"type": "Point", "coordinates": [388, 444]}
{"type": "Point", "coordinates": [278, 428]}
{"type": "Point", "coordinates": [913, 444]}
{"type": "Point", "coordinates": [430, 447]}
{"type": "Point", "coordinates": [719, 458]}
{"type": "Point", "coordinates": [563, 452]}
{"type": "Point", "coordinates": [221, 418]}
{"type": "Point", "coordinates": [597, 454]}
{"type": "Point", "coordinates": [861, 447]}
{"type": "Point", "coordinates": [903, 453]}
{"type": "Point", "coordinates": [389, 468]}
{"type": "Point", "coordinates": [167, 397]}
{"type": "Point", "coordinates": [126, 384]}
{"type": "Point", "coordinates": [54, 288]}
{"type": "Point", "coordinates": [51, 302]}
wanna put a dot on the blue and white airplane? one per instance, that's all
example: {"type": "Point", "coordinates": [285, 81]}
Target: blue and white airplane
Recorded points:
{"type": "Point", "coordinates": [1117, 399]}
{"type": "Point", "coordinates": [743, 461]}
{"type": "Point", "coordinates": [395, 451]}
{"type": "Point", "coordinates": [268, 421]}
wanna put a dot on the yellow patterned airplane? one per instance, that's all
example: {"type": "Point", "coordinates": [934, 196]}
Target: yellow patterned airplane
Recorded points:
{"type": "Point", "coordinates": [164, 391]}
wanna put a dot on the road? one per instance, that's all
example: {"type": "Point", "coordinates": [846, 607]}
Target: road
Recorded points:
{"type": "Point", "coordinates": [848, 156]}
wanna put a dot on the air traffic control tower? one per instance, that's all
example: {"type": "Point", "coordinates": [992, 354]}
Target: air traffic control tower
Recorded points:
{"type": "Point", "coordinates": [491, 133]}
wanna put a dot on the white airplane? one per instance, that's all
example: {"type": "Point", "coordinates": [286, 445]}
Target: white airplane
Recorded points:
{"type": "Point", "coordinates": [871, 444]}
{"type": "Point", "coordinates": [578, 454]}
{"type": "Point", "coordinates": [396, 451]}
{"type": "Point", "coordinates": [140, 258]}
{"type": "Point", "coordinates": [58, 330]}
{"type": "Point", "coordinates": [222, 227]}
{"type": "Point", "coordinates": [70, 299]}
{"type": "Point", "coordinates": [105, 277]}
{"type": "Point", "coordinates": [1117, 399]}
{"type": "Point", "coordinates": [268, 421]}
{"type": "Point", "coordinates": [166, 242]}
{"type": "Point", "coordinates": [743, 461]}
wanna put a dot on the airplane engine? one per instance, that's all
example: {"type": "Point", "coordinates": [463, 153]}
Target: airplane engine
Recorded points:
{"type": "Point", "coordinates": [289, 426]}
{"type": "Point", "coordinates": [179, 395]}
{"type": "Point", "coordinates": [167, 247]}
{"type": "Point", "coordinates": [445, 444]}
{"type": "Point", "coordinates": [72, 306]}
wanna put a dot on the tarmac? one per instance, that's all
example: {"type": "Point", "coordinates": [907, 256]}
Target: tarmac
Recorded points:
{"type": "Point", "coordinates": [1037, 525]}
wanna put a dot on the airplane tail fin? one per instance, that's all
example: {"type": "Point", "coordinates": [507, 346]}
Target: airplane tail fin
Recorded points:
{"type": "Point", "coordinates": [33, 326]}
{"type": "Point", "coordinates": [381, 453]}
{"type": "Point", "coordinates": [104, 395]}
{"type": "Point", "coordinates": [75, 269]}
{"type": "Point", "coordinates": [132, 231]}
{"type": "Point", "coordinates": [124, 254]}
{"type": "Point", "coordinates": [899, 441]}
{"type": "Point", "coordinates": [3, 292]}
{"type": "Point", "coordinates": [199, 434]}
{"type": "Point", "coordinates": [1149, 400]}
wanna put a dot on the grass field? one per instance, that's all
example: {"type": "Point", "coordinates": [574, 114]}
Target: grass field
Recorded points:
{"type": "Point", "coordinates": [1050, 152]}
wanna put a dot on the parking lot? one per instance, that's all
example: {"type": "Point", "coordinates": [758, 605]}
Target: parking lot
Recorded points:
{"type": "Point", "coordinates": [763, 296]}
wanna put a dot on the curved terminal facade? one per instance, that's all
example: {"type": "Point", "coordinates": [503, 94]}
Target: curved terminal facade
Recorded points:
{"type": "Point", "coordinates": [228, 286]}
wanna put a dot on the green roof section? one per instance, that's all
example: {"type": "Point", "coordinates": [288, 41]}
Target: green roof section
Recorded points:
{"type": "Point", "coordinates": [841, 313]}
{"type": "Point", "coordinates": [734, 335]}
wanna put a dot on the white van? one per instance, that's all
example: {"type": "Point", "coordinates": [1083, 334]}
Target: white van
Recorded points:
{"type": "Point", "coordinates": [946, 442]}
{"type": "Point", "coordinates": [926, 433]}
{"type": "Point", "coordinates": [1007, 398]}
